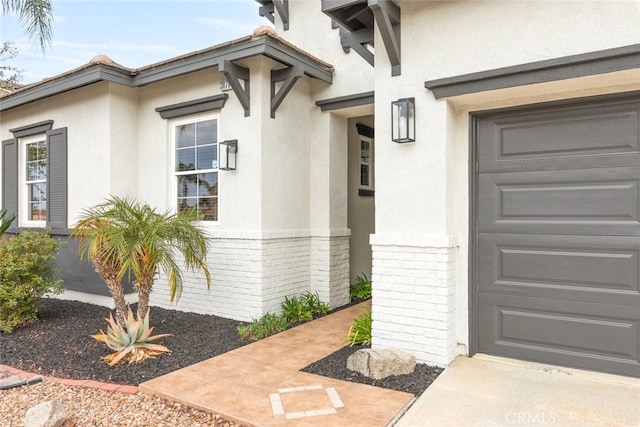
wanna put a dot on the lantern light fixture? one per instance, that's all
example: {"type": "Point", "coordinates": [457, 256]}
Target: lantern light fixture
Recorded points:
{"type": "Point", "coordinates": [403, 120]}
{"type": "Point", "coordinates": [227, 155]}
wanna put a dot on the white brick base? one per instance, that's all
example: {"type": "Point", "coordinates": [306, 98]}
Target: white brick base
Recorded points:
{"type": "Point", "coordinates": [251, 274]}
{"type": "Point", "coordinates": [414, 295]}
{"type": "Point", "coordinates": [330, 269]}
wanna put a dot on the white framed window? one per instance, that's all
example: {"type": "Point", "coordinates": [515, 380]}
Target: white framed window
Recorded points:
{"type": "Point", "coordinates": [195, 148]}
{"type": "Point", "coordinates": [32, 173]}
{"type": "Point", "coordinates": [366, 162]}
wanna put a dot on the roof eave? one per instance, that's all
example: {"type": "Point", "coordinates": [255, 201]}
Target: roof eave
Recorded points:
{"type": "Point", "coordinates": [272, 47]}
{"type": "Point", "coordinates": [84, 76]}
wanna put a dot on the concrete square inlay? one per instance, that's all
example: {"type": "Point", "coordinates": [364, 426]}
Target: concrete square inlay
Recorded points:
{"type": "Point", "coordinates": [306, 395]}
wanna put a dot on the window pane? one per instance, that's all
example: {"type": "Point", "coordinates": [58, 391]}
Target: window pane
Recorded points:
{"type": "Point", "coordinates": [37, 192]}
{"type": "Point", "coordinates": [186, 135]}
{"type": "Point", "coordinates": [207, 132]}
{"type": "Point", "coordinates": [364, 151]}
{"type": "Point", "coordinates": [186, 204]}
{"type": "Point", "coordinates": [185, 159]}
{"type": "Point", "coordinates": [37, 170]}
{"type": "Point", "coordinates": [36, 151]}
{"type": "Point", "coordinates": [38, 211]}
{"type": "Point", "coordinates": [208, 184]}
{"type": "Point", "coordinates": [208, 208]}
{"type": "Point", "coordinates": [364, 175]}
{"type": "Point", "coordinates": [197, 150]}
{"type": "Point", "coordinates": [187, 186]}
{"type": "Point", "coordinates": [208, 157]}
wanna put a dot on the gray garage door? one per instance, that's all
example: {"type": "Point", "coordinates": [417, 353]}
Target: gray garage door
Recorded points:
{"type": "Point", "coordinates": [558, 234]}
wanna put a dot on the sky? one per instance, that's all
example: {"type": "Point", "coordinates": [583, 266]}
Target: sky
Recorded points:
{"type": "Point", "coordinates": [131, 33]}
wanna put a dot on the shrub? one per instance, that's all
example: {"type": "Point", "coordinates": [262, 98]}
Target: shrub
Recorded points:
{"type": "Point", "coordinates": [360, 331]}
{"type": "Point", "coordinates": [132, 341]}
{"type": "Point", "coordinates": [26, 275]}
{"type": "Point", "coordinates": [302, 309]}
{"type": "Point", "coordinates": [295, 311]}
{"type": "Point", "coordinates": [361, 289]}
{"type": "Point", "coordinates": [267, 325]}
{"type": "Point", "coordinates": [313, 303]}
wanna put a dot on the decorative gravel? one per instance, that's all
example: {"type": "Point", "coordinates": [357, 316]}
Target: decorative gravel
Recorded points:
{"type": "Point", "coordinates": [86, 407]}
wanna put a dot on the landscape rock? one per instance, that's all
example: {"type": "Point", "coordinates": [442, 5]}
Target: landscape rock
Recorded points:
{"type": "Point", "coordinates": [380, 363]}
{"type": "Point", "coordinates": [51, 413]}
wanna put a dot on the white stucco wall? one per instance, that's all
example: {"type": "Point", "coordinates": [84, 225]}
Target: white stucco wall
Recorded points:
{"type": "Point", "coordinates": [266, 217]}
{"type": "Point", "coordinates": [86, 113]}
{"type": "Point", "coordinates": [422, 200]}
{"type": "Point", "coordinates": [266, 233]}
{"type": "Point", "coordinates": [310, 29]}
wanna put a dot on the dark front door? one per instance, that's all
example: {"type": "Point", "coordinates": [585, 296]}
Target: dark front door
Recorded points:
{"type": "Point", "coordinates": [557, 234]}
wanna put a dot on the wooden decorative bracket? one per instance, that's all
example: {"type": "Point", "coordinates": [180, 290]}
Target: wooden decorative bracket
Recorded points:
{"type": "Point", "coordinates": [387, 15]}
{"type": "Point", "coordinates": [287, 75]}
{"type": "Point", "coordinates": [357, 40]}
{"type": "Point", "coordinates": [269, 7]}
{"type": "Point", "coordinates": [234, 73]}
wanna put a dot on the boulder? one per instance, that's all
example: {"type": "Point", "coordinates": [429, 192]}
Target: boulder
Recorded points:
{"type": "Point", "coordinates": [51, 413]}
{"type": "Point", "coordinates": [380, 363]}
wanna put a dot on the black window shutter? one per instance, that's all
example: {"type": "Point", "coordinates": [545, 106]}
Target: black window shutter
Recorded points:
{"type": "Point", "coordinates": [57, 179]}
{"type": "Point", "coordinates": [10, 176]}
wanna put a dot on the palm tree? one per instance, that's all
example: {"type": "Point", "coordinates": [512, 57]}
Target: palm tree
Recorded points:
{"type": "Point", "coordinates": [123, 236]}
{"type": "Point", "coordinates": [35, 16]}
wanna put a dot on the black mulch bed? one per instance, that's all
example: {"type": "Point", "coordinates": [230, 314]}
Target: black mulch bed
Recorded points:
{"type": "Point", "coordinates": [59, 344]}
{"type": "Point", "coordinates": [335, 366]}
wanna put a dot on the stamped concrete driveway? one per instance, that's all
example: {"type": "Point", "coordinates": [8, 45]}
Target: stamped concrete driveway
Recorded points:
{"type": "Point", "coordinates": [485, 390]}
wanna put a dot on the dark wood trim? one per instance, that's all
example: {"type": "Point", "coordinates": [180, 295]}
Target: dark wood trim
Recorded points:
{"type": "Point", "coordinates": [195, 106]}
{"type": "Point", "coordinates": [32, 129]}
{"type": "Point", "coordinates": [365, 130]}
{"type": "Point", "coordinates": [289, 77]}
{"type": "Point", "coordinates": [387, 15]}
{"type": "Point", "coordinates": [586, 64]}
{"type": "Point", "coordinates": [472, 277]}
{"type": "Point", "coordinates": [340, 102]}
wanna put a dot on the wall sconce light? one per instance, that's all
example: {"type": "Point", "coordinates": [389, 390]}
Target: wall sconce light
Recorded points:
{"type": "Point", "coordinates": [227, 155]}
{"type": "Point", "coordinates": [403, 122]}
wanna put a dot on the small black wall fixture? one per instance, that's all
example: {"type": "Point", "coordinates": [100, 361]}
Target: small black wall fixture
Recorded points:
{"type": "Point", "coordinates": [228, 154]}
{"type": "Point", "coordinates": [403, 120]}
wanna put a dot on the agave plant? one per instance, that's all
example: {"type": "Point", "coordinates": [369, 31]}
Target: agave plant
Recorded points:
{"type": "Point", "coordinates": [131, 342]}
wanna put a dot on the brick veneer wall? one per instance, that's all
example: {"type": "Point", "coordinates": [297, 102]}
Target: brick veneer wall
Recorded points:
{"type": "Point", "coordinates": [330, 269]}
{"type": "Point", "coordinates": [251, 275]}
{"type": "Point", "coordinates": [414, 295]}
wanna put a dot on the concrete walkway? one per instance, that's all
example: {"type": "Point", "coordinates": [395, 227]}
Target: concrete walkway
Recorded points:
{"type": "Point", "coordinates": [489, 391]}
